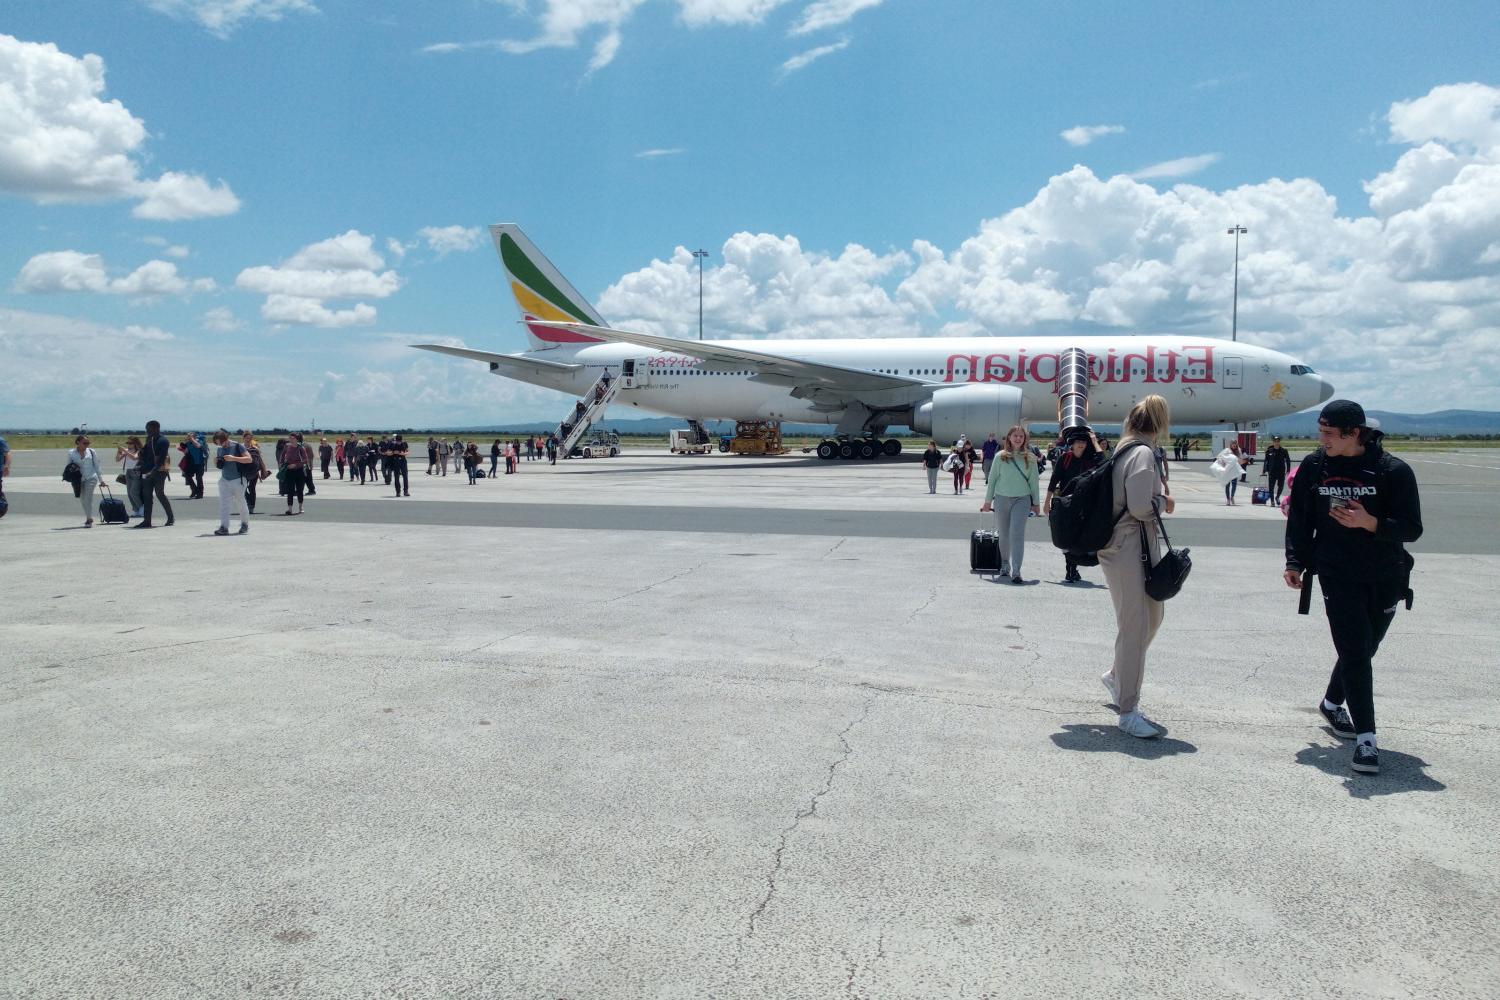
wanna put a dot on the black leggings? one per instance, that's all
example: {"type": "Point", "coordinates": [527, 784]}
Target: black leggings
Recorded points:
{"type": "Point", "coordinates": [294, 486]}
{"type": "Point", "coordinates": [251, 479]}
{"type": "Point", "coordinates": [155, 483]}
{"type": "Point", "coordinates": [400, 475]}
{"type": "Point", "coordinates": [1275, 484]}
{"type": "Point", "coordinates": [1359, 613]}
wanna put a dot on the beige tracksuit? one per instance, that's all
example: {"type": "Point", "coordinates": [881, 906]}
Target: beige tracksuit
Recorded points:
{"type": "Point", "coordinates": [1137, 484]}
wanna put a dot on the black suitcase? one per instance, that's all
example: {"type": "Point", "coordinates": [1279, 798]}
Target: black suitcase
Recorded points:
{"type": "Point", "coordinates": [984, 552]}
{"type": "Point", "coordinates": [112, 511]}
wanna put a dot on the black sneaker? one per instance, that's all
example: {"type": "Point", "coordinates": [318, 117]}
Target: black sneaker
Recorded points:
{"type": "Point", "coordinates": [1366, 759]}
{"type": "Point", "coordinates": [1338, 720]}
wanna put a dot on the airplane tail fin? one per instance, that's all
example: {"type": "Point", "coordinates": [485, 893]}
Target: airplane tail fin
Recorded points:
{"type": "Point", "coordinates": [542, 294]}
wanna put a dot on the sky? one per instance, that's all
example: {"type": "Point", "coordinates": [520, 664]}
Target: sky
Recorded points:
{"type": "Point", "coordinates": [244, 212]}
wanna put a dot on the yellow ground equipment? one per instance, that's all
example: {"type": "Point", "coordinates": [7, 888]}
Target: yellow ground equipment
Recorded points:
{"type": "Point", "coordinates": [757, 437]}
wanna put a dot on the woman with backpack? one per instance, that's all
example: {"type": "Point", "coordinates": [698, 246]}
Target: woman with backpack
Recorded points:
{"type": "Point", "coordinates": [1079, 456]}
{"type": "Point", "coordinates": [88, 477]}
{"type": "Point", "coordinates": [1139, 493]}
{"type": "Point", "coordinates": [1015, 484]}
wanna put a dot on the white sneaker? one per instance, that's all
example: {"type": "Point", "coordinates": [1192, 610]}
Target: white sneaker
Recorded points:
{"type": "Point", "coordinates": [1108, 680]}
{"type": "Point", "coordinates": [1137, 725]}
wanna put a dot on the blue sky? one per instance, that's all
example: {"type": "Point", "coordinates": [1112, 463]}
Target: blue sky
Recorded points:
{"type": "Point", "coordinates": [250, 207]}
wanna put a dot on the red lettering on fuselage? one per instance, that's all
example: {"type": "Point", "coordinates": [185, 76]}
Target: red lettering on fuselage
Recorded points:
{"type": "Point", "coordinates": [1111, 367]}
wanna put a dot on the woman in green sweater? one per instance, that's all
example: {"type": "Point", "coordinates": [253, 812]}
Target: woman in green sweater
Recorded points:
{"type": "Point", "coordinates": [1015, 481]}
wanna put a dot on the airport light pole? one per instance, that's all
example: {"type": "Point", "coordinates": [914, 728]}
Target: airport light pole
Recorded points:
{"type": "Point", "coordinates": [700, 254]}
{"type": "Point", "coordinates": [1236, 231]}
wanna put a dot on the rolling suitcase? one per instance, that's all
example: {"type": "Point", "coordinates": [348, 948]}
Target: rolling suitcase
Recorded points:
{"type": "Point", "coordinates": [1260, 495]}
{"type": "Point", "coordinates": [111, 510]}
{"type": "Point", "coordinates": [984, 552]}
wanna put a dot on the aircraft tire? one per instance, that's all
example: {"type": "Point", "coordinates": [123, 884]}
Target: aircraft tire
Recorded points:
{"type": "Point", "coordinates": [828, 450]}
{"type": "Point", "coordinates": [869, 449]}
{"type": "Point", "coordinates": [847, 450]}
{"type": "Point", "coordinates": [892, 448]}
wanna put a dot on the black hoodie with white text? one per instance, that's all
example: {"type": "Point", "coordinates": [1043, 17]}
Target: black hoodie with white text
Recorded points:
{"type": "Point", "coordinates": [1386, 488]}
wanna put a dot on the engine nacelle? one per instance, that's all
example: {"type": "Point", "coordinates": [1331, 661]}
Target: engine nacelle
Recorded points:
{"type": "Point", "coordinates": [975, 409]}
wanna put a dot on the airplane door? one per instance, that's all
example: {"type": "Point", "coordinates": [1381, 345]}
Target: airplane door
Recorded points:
{"type": "Point", "coordinates": [628, 373]}
{"type": "Point", "coordinates": [1234, 373]}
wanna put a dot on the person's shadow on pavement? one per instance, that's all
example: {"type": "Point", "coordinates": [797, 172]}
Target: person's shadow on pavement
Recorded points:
{"type": "Point", "coordinates": [1108, 739]}
{"type": "Point", "coordinates": [1399, 772]}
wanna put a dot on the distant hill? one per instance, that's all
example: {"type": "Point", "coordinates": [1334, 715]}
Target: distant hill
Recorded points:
{"type": "Point", "coordinates": [1443, 423]}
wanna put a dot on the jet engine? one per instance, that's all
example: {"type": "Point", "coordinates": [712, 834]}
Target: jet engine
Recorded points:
{"type": "Point", "coordinates": [975, 409]}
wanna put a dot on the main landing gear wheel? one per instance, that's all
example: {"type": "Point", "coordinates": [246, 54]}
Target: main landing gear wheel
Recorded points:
{"type": "Point", "coordinates": [892, 448]}
{"type": "Point", "coordinates": [828, 449]}
{"type": "Point", "coordinates": [847, 449]}
{"type": "Point", "coordinates": [869, 449]}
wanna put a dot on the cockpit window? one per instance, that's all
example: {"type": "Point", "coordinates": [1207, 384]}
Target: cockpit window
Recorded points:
{"type": "Point", "coordinates": [1303, 370]}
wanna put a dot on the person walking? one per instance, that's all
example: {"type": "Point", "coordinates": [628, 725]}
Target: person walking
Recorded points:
{"type": "Point", "coordinates": [235, 465]}
{"type": "Point", "coordinates": [432, 453]}
{"type": "Point", "coordinates": [255, 471]}
{"type": "Point", "coordinates": [458, 454]}
{"type": "Point", "coordinates": [195, 452]}
{"type": "Point", "coordinates": [294, 460]}
{"type": "Point", "coordinates": [156, 465]}
{"type": "Point", "coordinates": [551, 449]}
{"type": "Point", "coordinates": [1138, 499]}
{"type": "Point", "coordinates": [987, 454]}
{"type": "Point", "coordinates": [932, 460]}
{"type": "Point", "coordinates": [1276, 464]}
{"type": "Point", "coordinates": [471, 461]}
{"type": "Point", "coordinates": [400, 472]}
{"type": "Point", "coordinates": [971, 459]}
{"type": "Point", "coordinates": [1227, 469]}
{"type": "Point", "coordinates": [89, 476]}
{"type": "Point", "coordinates": [338, 455]}
{"type": "Point", "coordinates": [1014, 492]}
{"type": "Point", "coordinates": [1078, 457]}
{"type": "Point", "coordinates": [495, 451]}
{"type": "Point", "coordinates": [1353, 508]}
{"type": "Point", "coordinates": [325, 455]}
{"type": "Point", "coordinates": [129, 457]}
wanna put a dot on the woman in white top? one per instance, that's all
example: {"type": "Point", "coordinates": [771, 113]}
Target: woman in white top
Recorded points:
{"type": "Point", "coordinates": [88, 464]}
{"type": "Point", "coordinates": [128, 455]}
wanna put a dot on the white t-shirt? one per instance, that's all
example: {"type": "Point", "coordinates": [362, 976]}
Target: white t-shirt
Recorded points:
{"type": "Point", "coordinates": [88, 462]}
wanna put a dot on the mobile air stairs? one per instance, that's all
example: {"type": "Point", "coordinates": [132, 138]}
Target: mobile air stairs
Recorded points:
{"type": "Point", "coordinates": [585, 412]}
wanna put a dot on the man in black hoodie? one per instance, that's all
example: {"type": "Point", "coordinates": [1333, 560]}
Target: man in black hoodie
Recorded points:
{"type": "Point", "coordinates": [1353, 506]}
{"type": "Point", "coordinates": [1274, 467]}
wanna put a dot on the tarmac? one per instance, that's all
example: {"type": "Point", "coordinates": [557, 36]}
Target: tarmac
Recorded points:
{"type": "Point", "coordinates": [666, 726]}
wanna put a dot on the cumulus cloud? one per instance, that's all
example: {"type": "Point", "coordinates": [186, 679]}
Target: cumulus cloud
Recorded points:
{"type": "Point", "coordinates": [221, 320]}
{"type": "Point", "coordinates": [444, 240]}
{"type": "Point", "coordinates": [346, 266]}
{"type": "Point", "coordinates": [223, 17]}
{"type": "Point", "coordinates": [804, 59]}
{"type": "Point", "coordinates": [1082, 135]}
{"type": "Point", "coordinates": [71, 271]}
{"type": "Point", "coordinates": [61, 142]}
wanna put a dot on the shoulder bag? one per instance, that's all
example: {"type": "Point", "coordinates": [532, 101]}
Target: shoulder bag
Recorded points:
{"type": "Point", "coordinates": [1165, 579]}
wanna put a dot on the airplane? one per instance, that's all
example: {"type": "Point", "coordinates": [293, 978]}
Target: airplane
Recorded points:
{"type": "Point", "coordinates": [941, 387]}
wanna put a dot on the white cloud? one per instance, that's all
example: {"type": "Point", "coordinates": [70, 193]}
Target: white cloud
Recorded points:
{"type": "Point", "coordinates": [1461, 114]}
{"type": "Point", "coordinates": [1082, 135]}
{"type": "Point", "coordinates": [702, 13]}
{"type": "Point", "coordinates": [151, 333]}
{"type": "Point", "coordinates": [804, 59]}
{"type": "Point", "coordinates": [444, 240]}
{"type": "Point", "coordinates": [651, 154]}
{"type": "Point", "coordinates": [1182, 167]}
{"type": "Point", "coordinates": [174, 196]}
{"type": "Point", "coordinates": [605, 51]}
{"type": "Point", "coordinates": [395, 247]}
{"type": "Point", "coordinates": [830, 14]}
{"type": "Point", "coordinates": [60, 142]}
{"type": "Point", "coordinates": [221, 320]}
{"type": "Point", "coordinates": [71, 271]}
{"type": "Point", "coordinates": [223, 17]}
{"type": "Point", "coordinates": [291, 309]}
{"type": "Point", "coordinates": [341, 267]}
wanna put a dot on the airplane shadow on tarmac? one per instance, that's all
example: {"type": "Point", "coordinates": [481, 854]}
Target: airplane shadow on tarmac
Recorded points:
{"type": "Point", "coordinates": [1107, 739]}
{"type": "Point", "coordinates": [1399, 772]}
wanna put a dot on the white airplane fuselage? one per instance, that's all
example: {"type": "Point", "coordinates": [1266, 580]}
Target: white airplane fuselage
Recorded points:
{"type": "Point", "coordinates": [1204, 381]}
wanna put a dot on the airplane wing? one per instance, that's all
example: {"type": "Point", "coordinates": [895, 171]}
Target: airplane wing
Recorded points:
{"type": "Point", "coordinates": [531, 366]}
{"type": "Point", "coordinates": [812, 380]}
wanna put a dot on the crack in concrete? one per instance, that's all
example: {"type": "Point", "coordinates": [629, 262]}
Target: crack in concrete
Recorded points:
{"type": "Point", "coordinates": [931, 596]}
{"type": "Point", "coordinates": [652, 586]}
{"type": "Point", "coordinates": [778, 855]}
{"type": "Point", "coordinates": [833, 548]}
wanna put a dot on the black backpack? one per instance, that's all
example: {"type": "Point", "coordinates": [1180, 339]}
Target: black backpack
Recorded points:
{"type": "Point", "coordinates": [1082, 517]}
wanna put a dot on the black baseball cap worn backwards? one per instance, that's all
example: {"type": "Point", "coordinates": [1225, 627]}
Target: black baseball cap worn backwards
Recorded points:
{"type": "Point", "coordinates": [1344, 414]}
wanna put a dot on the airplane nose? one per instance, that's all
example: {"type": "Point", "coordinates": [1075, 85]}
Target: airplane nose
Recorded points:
{"type": "Point", "coordinates": [1325, 389]}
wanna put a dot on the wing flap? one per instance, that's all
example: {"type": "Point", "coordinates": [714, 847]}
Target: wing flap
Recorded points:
{"type": "Point", "coordinates": [531, 365]}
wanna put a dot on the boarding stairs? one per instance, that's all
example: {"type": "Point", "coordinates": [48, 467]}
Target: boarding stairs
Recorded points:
{"type": "Point", "coordinates": [585, 412]}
